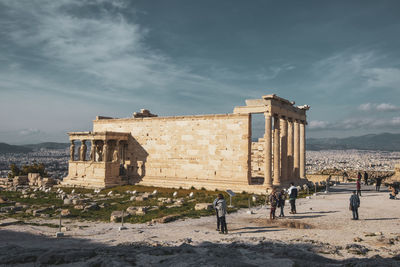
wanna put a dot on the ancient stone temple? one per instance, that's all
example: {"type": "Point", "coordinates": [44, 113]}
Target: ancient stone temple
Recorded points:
{"type": "Point", "coordinates": [204, 151]}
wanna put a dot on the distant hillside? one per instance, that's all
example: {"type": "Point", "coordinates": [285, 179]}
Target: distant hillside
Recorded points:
{"type": "Point", "coordinates": [384, 141]}
{"type": "Point", "coordinates": [48, 145]}
{"type": "Point", "coordinates": [6, 148]}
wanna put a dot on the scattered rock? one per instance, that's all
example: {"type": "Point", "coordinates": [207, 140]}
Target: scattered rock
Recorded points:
{"type": "Point", "coordinates": [166, 219]}
{"type": "Point", "coordinates": [117, 215]}
{"type": "Point", "coordinates": [357, 239]}
{"type": "Point", "coordinates": [65, 212]}
{"type": "Point", "coordinates": [357, 249]}
{"type": "Point", "coordinates": [67, 201]}
{"type": "Point", "coordinates": [92, 206]}
{"type": "Point", "coordinates": [78, 207]}
{"type": "Point", "coordinates": [203, 206]}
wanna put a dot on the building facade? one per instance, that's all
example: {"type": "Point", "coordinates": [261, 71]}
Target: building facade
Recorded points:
{"type": "Point", "coordinates": [204, 151]}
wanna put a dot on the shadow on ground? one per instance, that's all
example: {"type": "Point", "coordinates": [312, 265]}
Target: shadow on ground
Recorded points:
{"type": "Point", "coordinates": [23, 249]}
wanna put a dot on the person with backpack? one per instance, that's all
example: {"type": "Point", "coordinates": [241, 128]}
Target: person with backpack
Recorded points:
{"type": "Point", "coordinates": [292, 191]}
{"type": "Point", "coordinates": [358, 186]}
{"type": "Point", "coordinates": [281, 202]}
{"type": "Point", "coordinates": [365, 178]}
{"type": "Point", "coordinates": [216, 211]}
{"type": "Point", "coordinates": [273, 202]}
{"type": "Point", "coordinates": [354, 205]}
{"type": "Point", "coordinates": [221, 211]}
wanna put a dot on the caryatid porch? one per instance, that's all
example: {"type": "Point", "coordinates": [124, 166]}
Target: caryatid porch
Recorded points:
{"type": "Point", "coordinates": [104, 166]}
{"type": "Point", "coordinates": [285, 139]}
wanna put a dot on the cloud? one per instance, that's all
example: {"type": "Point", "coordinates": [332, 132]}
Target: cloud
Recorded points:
{"type": "Point", "coordinates": [384, 107]}
{"type": "Point", "coordinates": [383, 77]}
{"type": "Point", "coordinates": [102, 55]}
{"type": "Point", "coordinates": [30, 131]}
{"type": "Point", "coordinates": [355, 123]}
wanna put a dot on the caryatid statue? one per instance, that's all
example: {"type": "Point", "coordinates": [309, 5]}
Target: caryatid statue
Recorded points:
{"type": "Point", "coordinates": [83, 150]}
{"type": "Point", "coordinates": [72, 151]}
{"type": "Point", "coordinates": [99, 152]}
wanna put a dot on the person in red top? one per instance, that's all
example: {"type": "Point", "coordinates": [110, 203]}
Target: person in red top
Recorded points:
{"type": "Point", "coordinates": [358, 183]}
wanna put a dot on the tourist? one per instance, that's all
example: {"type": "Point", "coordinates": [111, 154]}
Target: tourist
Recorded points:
{"type": "Point", "coordinates": [359, 176]}
{"type": "Point", "coordinates": [221, 209]}
{"type": "Point", "coordinates": [393, 192]}
{"type": "Point", "coordinates": [366, 178]}
{"type": "Point", "coordinates": [378, 184]}
{"type": "Point", "coordinates": [358, 186]}
{"type": "Point", "coordinates": [216, 211]}
{"type": "Point", "coordinates": [292, 191]}
{"type": "Point", "coordinates": [281, 202]}
{"type": "Point", "coordinates": [328, 183]}
{"type": "Point", "coordinates": [345, 177]}
{"type": "Point", "coordinates": [354, 205]}
{"type": "Point", "coordinates": [273, 202]}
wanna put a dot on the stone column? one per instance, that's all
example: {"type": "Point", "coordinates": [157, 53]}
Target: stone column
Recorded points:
{"type": "Point", "coordinates": [105, 151]}
{"type": "Point", "coordinates": [93, 150]}
{"type": "Point", "coordinates": [284, 141]}
{"type": "Point", "coordinates": [277, 160]}
{"type": "Point", "coordinates": [302, 149]}
{"type": "Point", "coordinates": [296, 155]}
{"type": "Point", "coordinates": [72, 150]}
{"type": "Point", "coordinates": [290, 150]}
{"type": "Point", "coordinates": [267, 151]}
{"type": "Point", "coordinates": [82, 150]}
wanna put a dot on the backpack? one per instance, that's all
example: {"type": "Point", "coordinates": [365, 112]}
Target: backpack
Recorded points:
{"type": "Point", "coordinates": [293, 193]}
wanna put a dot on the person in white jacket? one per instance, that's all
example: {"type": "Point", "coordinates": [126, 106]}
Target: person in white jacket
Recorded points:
{"type": "Point", "coordinates": [292, 192]}
{"type": "Point", "coordinates": [221, 210]}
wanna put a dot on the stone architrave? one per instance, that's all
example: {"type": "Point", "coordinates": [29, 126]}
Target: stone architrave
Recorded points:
{"type": "Point", "coordinates": [290, 150]}
{"type": "Point", "coordinates": [72, 150]}
{"type": "Point", "coordinates": [267, 151]}
{"type": "Point", "coordinates": [296, 156]}
{"type": "Point", "coordinates": [277, 174]}
{"type": "Point", "coordinates": [284, 135]}
{"type": "Point", "coordinates": [82, 150]}
{"type": "Point", "coordinates": [302, 150]}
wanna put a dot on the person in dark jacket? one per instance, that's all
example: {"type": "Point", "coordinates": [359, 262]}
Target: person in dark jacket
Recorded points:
{"type": "Point", "coordinates": [221, 208]}
{"type": "Point", "coordinates": [358, 186]}
{"type": "Point", "coordinates": [378, 184]}
{"type": "Point", "coordinates": [365, 178]}
{"type": "Point", "coordinates": [354, 205]}
{"type": "Point", "coordinates": [281, 202]}
{"type": "Point", "coordinates": [273, 201]}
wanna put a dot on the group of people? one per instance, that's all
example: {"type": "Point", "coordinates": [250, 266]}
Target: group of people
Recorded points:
{"type": "Point", "coordinates": [277, 199]}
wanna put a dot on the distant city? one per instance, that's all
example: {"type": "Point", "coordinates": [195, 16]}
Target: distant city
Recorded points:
{"type": "Point", "coordinates": [365, 160]}
{"type": "Point", "coordinates": [56, 160]}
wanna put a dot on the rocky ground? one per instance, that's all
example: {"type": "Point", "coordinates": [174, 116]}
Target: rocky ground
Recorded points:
{"type": "Point", "coordinates": [321, 234]}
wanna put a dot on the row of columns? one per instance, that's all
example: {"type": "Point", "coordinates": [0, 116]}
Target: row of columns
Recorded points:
{"type": "Point", "coordinates": [288, 149]}
{"type": "Point", "coordinates": [100, 151]}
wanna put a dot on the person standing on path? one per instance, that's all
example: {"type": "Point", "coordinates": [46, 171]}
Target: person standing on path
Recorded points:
{"type": "Point", "coordinates": [354, 205]}
{"type": "Point", "coordinates": [281, 202]}
{"type": "Point", "coordinates": [378, 184]}
{"type": "Point", "coordinates": [216, 211]}
{"type": "Point", "coordinates": [358, 186]}
{"type": "Point", "coordinates": [273, 202]}
{"type": "Point", "coordinates": [366, 178]}
{"type": "Point", "coordinates": [221, 209]}
{"type": "Point", "coordinates": [292, 191]}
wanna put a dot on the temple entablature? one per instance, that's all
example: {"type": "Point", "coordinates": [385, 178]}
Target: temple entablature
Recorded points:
{"type": "Point", "coordinates": [274, 105]}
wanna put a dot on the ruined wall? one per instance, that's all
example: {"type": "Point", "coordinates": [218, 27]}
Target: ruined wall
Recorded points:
{"type": "Point", "coordinates": [211, 151]}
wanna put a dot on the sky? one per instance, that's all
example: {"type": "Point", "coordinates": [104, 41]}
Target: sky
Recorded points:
{"type": "Point", "coordinates": [64, 62]}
